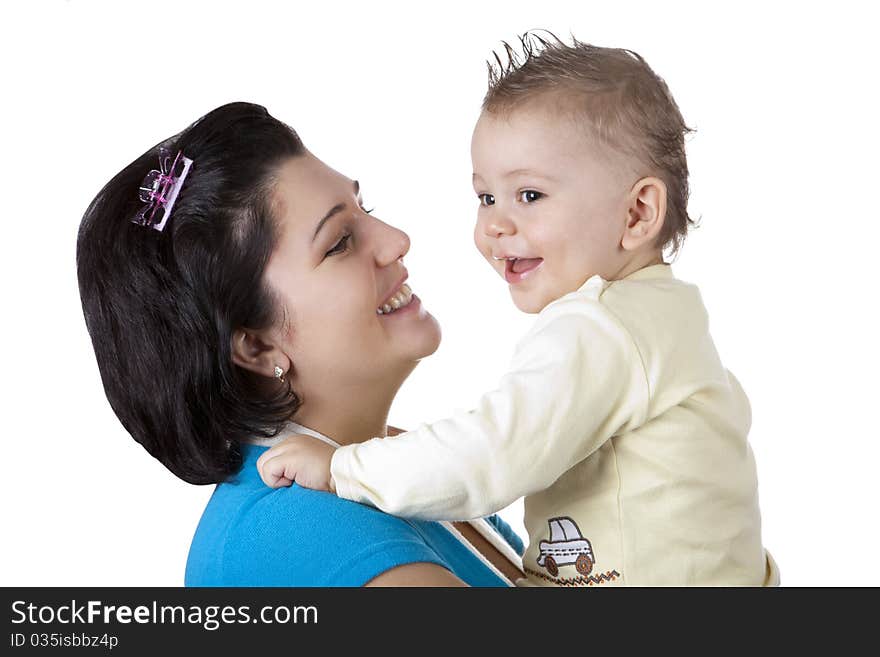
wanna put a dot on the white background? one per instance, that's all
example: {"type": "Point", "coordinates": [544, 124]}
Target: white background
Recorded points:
{"type": "Point", "coordinates": [784, 176]}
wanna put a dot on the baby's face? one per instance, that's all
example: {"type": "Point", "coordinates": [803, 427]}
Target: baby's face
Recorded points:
{"type": "Point", "coordinates": [553, 205]}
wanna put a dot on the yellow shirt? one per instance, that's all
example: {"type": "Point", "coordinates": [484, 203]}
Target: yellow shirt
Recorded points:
{"type": "Point", "coordinates": [623, 430]}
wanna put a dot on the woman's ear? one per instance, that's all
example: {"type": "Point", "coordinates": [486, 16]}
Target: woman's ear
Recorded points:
{"type": "Point", "coordinates": [257, 352]}
{"type": "Point", "coordinates": [646, 212]}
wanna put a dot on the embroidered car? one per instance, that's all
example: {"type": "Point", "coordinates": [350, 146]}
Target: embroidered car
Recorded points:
{"type": "Point", "coordinates": [566, 546]}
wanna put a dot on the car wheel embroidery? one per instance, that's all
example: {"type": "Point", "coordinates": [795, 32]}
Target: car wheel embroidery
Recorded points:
{"type": "Point", "coordinates": [583, 564]}
{"type": "Point", "coordinates": [566, 546]}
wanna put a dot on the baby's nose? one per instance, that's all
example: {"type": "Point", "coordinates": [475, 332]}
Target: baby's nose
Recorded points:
{"type": "Point", "coordinates": [498, 226]}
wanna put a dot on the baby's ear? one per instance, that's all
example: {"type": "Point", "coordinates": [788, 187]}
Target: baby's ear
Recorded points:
{"type": "Point", "coordinates": [646, 211]}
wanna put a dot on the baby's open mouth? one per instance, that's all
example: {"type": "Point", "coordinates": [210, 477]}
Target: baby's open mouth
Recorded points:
{"type": "Point", "coordinates": [521, 265]}
{"type": "Point", "coordinates": [518, 269]}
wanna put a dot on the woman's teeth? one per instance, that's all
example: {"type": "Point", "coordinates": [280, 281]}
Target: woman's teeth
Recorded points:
{"type": "Point", "coordinates": [400, 300]}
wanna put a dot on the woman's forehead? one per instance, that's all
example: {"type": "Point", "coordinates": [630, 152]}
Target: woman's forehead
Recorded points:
{"type": "Point", "coordinates": [306, 189]}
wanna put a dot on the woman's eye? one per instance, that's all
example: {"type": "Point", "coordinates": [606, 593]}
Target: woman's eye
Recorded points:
{"type": "Point", "coordinates": [530, 195]}
{"type": "Point", "coordinates": [370, 211]}
{"type": "Point", "coordinates": [486, 199]}
{"type": "Point", "coordinates": [340, 246]}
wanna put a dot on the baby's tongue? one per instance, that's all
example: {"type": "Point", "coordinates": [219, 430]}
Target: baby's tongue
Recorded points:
{"type": "Point", "coordinates": [525, 264]}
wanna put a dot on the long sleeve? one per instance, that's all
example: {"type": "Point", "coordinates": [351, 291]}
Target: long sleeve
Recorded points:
{"type": "Point", "coordinates": [576, 380]}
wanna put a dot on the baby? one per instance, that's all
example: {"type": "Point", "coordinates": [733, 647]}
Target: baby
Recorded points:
{"type": "Point", "coordinates": [617, 420]}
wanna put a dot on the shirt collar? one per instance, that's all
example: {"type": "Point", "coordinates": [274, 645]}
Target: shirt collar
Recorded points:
{"type": "Point", "coordinates": [663, 270]}
{"type": "Point", "coordinates": [290, 429]}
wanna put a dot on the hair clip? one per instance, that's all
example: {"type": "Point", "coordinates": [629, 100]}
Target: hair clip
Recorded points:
{"type": "Point", "coordinates": [160, 189]}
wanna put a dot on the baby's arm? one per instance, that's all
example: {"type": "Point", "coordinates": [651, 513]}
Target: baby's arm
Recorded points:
{"type": "Point", "coordinates": [303, 460]}
{"type": "Point", "coordinates": [577, 379]}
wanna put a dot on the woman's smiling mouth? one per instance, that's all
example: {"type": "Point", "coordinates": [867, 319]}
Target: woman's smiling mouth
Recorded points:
{"type": "Point", "coordinates": [400, 299]}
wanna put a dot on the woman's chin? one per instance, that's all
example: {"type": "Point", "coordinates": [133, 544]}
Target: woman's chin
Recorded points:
{"type": "Point", "coordinates": [408, 354]}
{"type": "Point", "coordinates": [426, 339]}
{"type": "Point", "coordinates": [413, 331]}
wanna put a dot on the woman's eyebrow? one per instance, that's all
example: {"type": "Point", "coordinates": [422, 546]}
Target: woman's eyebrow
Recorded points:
{"type": "Point", "coordinates": [339, 207]}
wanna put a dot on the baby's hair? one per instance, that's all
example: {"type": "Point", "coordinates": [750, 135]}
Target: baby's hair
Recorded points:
{"type": "Point", "coordinates": [626, 106]}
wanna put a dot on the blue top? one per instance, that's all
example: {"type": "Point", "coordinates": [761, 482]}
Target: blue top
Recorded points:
{"type": "Point", "coordinates": [253, 535]}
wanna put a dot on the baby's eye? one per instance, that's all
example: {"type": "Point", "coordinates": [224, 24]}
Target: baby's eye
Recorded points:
{"type": "Point", "coordinates": [486, 199]}
{"type": "Point", "coordinates": [340, 247]}
{"type": "Point", "coordinates": [529, 196]}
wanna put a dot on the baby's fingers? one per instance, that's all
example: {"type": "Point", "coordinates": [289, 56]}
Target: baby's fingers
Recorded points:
{"type": "Point", "coordinates": [273, 471]}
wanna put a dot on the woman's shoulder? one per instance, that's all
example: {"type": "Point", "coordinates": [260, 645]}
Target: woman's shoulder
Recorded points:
{"type": "Point", "coordinates": [298, 537]}
{"type": "Point", "coordinates": [302, 513]}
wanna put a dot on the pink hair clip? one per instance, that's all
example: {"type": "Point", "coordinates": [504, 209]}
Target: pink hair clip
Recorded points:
{"type": "Point", "coordinates": [160, 189]}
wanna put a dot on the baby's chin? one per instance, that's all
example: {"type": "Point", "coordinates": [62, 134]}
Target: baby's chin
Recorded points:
{"type": "Point", "coordinates": [528, 302]}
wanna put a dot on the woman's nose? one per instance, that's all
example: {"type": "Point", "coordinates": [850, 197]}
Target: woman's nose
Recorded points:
{"type": "Point", "coordinates": [391, 244]}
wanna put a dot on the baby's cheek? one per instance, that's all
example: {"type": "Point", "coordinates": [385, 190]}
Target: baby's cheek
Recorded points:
{"type": "Point", "coordinates": [483, 246]}
{"type": "Point", "coordinates": [479, 239]}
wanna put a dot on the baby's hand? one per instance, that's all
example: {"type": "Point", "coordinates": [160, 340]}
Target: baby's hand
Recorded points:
{"type": "Point", "coordinates": [301, 459]}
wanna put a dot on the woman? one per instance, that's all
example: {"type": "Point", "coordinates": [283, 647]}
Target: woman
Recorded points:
{"type": "Point", "coordinates": [252, 289]}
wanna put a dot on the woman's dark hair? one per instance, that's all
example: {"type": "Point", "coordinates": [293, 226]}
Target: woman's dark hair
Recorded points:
{"type": "Point", "coordinates": [161, 307]}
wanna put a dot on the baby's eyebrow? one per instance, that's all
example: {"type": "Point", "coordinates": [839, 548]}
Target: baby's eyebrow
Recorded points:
{"type": "Point", "coordinates": [527, 172]}
{"type": "Point", "coordinates": [518, 172]}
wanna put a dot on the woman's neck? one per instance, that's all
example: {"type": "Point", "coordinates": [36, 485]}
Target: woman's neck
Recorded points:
{"type": "Point", "coordinates": [347, 416]}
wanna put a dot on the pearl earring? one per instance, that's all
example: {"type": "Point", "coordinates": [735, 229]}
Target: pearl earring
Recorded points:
{"type": "Point", "coordinates": [279, 374]}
